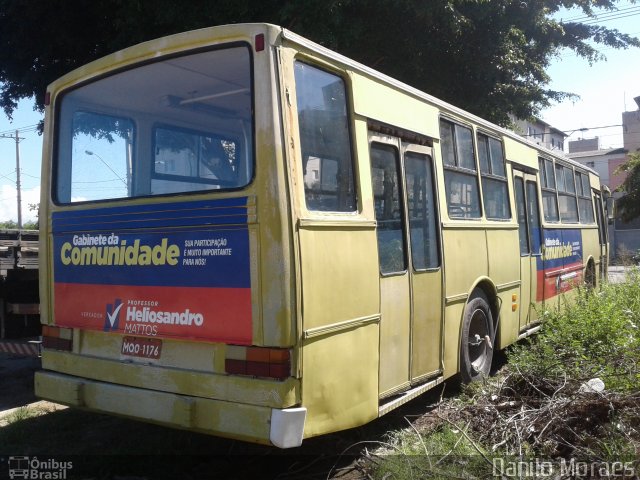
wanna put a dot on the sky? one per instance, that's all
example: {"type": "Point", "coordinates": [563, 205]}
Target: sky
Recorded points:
{"type": "Point", "coordinates": [606, 89]}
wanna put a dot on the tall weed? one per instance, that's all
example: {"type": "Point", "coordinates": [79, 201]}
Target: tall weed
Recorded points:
{"type": "Point", "coordinates": [594, 334]}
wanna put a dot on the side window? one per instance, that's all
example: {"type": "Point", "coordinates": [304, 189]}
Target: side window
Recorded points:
{"type": "Point", "coordinates": [186, 160]}
{"type": "Point", "coordinates": [460, 178]}
{"type": "Point", "coordinates": [535, 233]}
{"type": "Point", "coordinates": [602, 226]}
{"type": "Point", "coordinates": [388, 207]}
{"type": "Point", "coordinates": [422, 211]}
{"type": "Point", "coordinates": [494, 178]}
{"type": "Point", "coordinates": [324, 140]}
{"type": "Point", "coordinates": [548, 185]}
{"type": "Point", "coordinates": [521, 210]}
{"type": "Point", "coordinates": [585, 204]}
{"type": "Point", "coordinates": [567, 203]}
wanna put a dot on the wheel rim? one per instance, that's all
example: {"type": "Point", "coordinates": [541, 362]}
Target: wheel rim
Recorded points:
{"type": "Point", "coordinates": [478, 346]}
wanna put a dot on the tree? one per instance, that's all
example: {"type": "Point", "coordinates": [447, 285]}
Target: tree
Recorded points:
{"type": "Point", "coordinates": [487, 56]}
{"type": "Point", "coordinates": [8, 225]}
{"type": "Point", "coordinates": [628, 205]}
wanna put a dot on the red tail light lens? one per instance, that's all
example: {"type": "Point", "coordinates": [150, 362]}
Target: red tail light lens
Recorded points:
{"type": "Point", "coordinates": [259, 42]}
{"type": "Point", "coordinates": [56, 338]}
{"type": "Point", "coordinates": [259, 362]}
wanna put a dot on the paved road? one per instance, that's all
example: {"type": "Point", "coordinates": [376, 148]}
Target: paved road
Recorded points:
{"type": "Point", "coordinates": [16, 380]}
{"type": "Point", "coordinates": [617, 274]}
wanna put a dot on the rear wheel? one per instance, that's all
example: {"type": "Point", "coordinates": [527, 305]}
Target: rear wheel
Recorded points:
{"type": "Point", "coordinates": [590, 277]}
{"type": "Point", "coordinates": [476, 342]}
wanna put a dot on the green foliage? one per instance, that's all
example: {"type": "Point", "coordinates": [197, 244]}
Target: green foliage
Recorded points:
{"type": "Point", "coordinates": [8, 225]}
{"type": "Point", "coordinates": [31, 225]}
{"type": "Point", "coordinates": [628, 206]}
{"type": "Point", "coordinates": [489, 57]}
{"type": "Point", "coordinates": [444, 452]}
{"type": "Point", "coordinates": [13, 225]}
{"type": "Point", "coordinates": [595, 335]}
{"type": "Point", "coordinates": [536, 407]}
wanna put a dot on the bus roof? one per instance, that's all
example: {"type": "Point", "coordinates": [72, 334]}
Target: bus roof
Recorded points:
{"type": "Point", "coordinates": [352, 64]}
{"type": "Point", "coordinates": [200, 38]}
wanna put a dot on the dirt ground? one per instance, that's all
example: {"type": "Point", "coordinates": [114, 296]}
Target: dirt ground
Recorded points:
{"type": "Point", "coordinates": [16, 380]}
{"type": "Point", "coordinates": [120, 448]}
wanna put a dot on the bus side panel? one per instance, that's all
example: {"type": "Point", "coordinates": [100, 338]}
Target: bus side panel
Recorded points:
{"type": "Point", "coordinates": [378, 102]}
{"type": "Point", "coordinates": [340, 382]}
{"type": "Point", "coordinates": [465, 257]}
{"type": "Point", "coordinates": [504, 271]}
{"type": "Point", "coordinates": [591, 249]}
{"type": "Point", "coordinates": [340, 302]}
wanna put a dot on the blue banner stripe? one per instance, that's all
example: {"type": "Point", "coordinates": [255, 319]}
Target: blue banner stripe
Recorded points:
{"type": "Point", "coordinates": [228, 212]}
{"type": "Point", "coordinates": [191, 258]}
{"type": "Point", "coordinates": [143, 223]}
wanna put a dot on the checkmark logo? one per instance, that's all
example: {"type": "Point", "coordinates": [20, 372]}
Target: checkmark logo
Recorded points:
{"type": "Point", "coordinates": [112, 317]}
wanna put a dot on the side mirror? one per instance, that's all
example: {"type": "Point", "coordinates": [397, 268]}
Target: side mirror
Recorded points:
{"type": "Point", "coordinates": [611, 209]}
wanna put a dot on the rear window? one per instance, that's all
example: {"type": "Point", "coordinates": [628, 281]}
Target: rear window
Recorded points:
{"type": "Point", "coordinates": [182, 124]}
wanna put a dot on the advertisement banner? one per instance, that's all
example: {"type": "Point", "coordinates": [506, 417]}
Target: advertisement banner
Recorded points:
{"type": "Point", "coordinates": [179, 270]}
{"type": "Point", "coordinates": [560, 266]}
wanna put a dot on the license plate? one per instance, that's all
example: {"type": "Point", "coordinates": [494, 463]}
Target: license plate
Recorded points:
{"type": "Point", "coordinates": [141, 347]}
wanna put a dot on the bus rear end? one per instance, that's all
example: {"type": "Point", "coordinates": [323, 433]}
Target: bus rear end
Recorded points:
{"type": "Point", "coordinates": [164, 227]}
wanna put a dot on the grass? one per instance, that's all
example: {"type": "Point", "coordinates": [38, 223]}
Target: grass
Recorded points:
{"type": "Point", "coordinates": [537, 407]}
{"type": "Point", "coordinates": [532, 409]}
{"type": "Point", "coordinates": [445, 452]}
{"type": "Point", "coordinates": [594, 336]}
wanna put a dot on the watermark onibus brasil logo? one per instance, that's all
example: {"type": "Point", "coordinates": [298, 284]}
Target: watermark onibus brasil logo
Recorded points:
{"type": "Point", "coordinates": [37, 469]}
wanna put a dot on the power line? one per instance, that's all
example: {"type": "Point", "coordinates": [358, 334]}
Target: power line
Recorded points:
{"type": "Point", "coordinates": [27, 129]}
{"type": "Point", "coordinates": [7, 175]}
{"type": "Point", "coordinates": [32, 176]}
{"type": "Point", "coordinates": [596, 21]}
{"type": "Point", "coordinates": [584, 129]}
{"type": "Point", "coordinates": [618, 11]}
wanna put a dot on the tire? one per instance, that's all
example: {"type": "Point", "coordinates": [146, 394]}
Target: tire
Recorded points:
{"type": "Point", "coordinates": [590, 277]}
{"type": "Point", "coordinates": [476, 339]}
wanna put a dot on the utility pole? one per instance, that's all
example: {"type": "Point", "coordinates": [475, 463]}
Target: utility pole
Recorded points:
{"type": "Point", "coordinates": [17, 139]}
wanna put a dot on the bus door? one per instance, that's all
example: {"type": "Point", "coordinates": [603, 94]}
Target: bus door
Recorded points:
{"type": "Point", "coordinates": [602, 234]}
{"type": "Point", "coordinates": [529, 234]}
{"type": "Point", "coordinates": [408, 254]}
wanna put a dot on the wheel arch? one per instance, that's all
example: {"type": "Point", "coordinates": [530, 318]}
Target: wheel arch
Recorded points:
{"type": "Point", "coordinates": [486, 286]}
{"type": "Point", "coordinates": [590, 265]}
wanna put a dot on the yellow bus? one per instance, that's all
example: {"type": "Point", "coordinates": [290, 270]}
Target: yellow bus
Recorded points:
{"type": "Point", "coordinates": [249, 235]}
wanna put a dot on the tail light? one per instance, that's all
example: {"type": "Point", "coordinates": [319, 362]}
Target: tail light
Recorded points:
{"type": "Point", "coordinates": [57, 338]}
{"type": "Point", "coordinates": [258, 362]}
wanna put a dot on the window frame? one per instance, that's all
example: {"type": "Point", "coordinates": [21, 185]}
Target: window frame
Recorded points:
{"type": "Point", "coordinates": [543, 174]}
{"type": "Point", "coordinates": [461, 170]}
{"type": "Point", "coordinates": [584, 196]}
{"type": "Point", "coordinates": [430, 164]}
{"type": "Point", "coordinates": [153, 175]}
{"type": "Point", "coordinates": [403, 219]}
{"type": "Point", "coordinates": [349, 114]}
{"type": "Point", "coordinates": [523, 227]}
{"type": "Point", "coordinates": [566, 191]}
{"type": "Point", "coordinates": [490, 175]}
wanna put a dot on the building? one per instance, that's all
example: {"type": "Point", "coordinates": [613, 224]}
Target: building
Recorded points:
{"type": "Point", "coordinates": [603, 161]}
{"type": "Point", "coordinates": [631, 128]}
{"type": "Point", "coordinates": [622, 236]}
{"type": "Point", "coordinates": [539, 132]}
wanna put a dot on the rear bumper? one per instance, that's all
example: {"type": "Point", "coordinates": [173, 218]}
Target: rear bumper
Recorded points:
{"type": "Point", "coordinates": [156, 397]}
